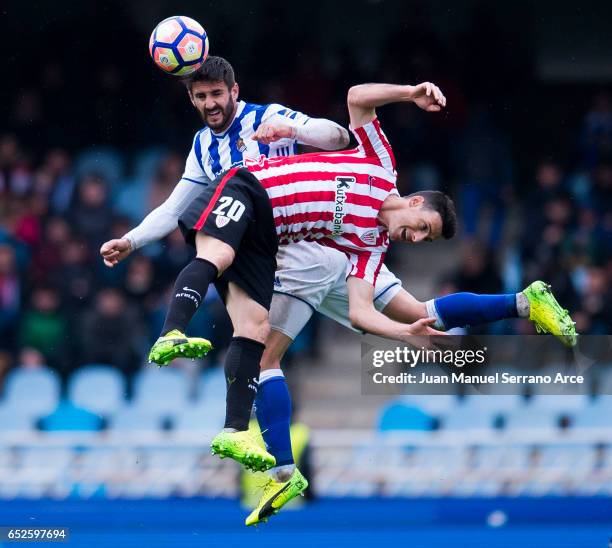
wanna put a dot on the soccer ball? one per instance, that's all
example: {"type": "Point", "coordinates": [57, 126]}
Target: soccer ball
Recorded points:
{"type": "Point", "coordinates": [178, 45]}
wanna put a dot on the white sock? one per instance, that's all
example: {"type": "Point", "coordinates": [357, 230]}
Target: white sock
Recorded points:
{"type": "Point", "coordinates": [281, 474]}
{"type": "Point", "coordinates": [522, 305]}
{"type": "Point", "coordinates": [268, 374]}
{"type": "Point", "coordinates": [433, 313]}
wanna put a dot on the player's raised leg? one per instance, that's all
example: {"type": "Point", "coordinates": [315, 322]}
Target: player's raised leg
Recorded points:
{"type": "Point", "coordinates": [536, 303]}
{"type": "Point", "coordinates": [242, 362]}
{"type": "Point", "coordinates": [213, 257]}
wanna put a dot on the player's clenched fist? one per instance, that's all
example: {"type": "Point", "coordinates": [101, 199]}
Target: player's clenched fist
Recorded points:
{"type": "Point", "coordinates": [114, 251]}
{"type": "Point", "coordinates": [268, 133]}
{"type": "Point", "coordinates": [428, 97]}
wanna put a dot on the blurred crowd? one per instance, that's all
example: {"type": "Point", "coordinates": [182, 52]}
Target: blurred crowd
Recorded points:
{"type": "Point", "coordinates": [83, 161]}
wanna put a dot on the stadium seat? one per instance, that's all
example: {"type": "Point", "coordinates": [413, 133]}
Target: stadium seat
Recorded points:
{"type": "Point", "coordinates": [493, 403]}
{"type": "Point", "coordinates": [162, 391]}
{"type": "Point", "coordinates": [13, 418]}
{"type": "Point", "coordinates": [526, 419]}
{"type": "Point", "coordinates": [68, 416]}
{"type": "Point", "coordinates": [468, 418]}
{"type": "Point", "coordinates": [557, 402]}
{"type": "Point", "coordinates": [436, 404]}
{"type": "Point", "coordinates": [98, 388]}
{"type": "Point", "coordinates": [32, 392]}
{"type": "Point", "coordinates": [211, 386]}
{"type": "Point", "coordinates": [399, 416]}
{"type": "Point", "coordinates": [598, 414]}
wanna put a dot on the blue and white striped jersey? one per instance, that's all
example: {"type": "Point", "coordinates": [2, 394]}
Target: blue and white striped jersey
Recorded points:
{"type": "Point", "coordinates": [213, 153]}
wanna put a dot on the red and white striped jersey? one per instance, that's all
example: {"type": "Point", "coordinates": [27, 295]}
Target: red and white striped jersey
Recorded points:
{"type": "Point", "coordinates": [334, 198]}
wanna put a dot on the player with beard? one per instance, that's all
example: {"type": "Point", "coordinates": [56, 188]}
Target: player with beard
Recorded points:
{"type": "Point", "coordinates": [461, 309]}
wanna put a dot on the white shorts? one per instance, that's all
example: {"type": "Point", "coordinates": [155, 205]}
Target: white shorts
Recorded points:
{"type": "Point", "coordinates": [311, 277]}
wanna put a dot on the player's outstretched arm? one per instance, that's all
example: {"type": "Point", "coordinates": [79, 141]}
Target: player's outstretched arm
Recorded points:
{"type": "Point", "coordinates": [363, 99]}
{"type": "Point", "coordinates": [316, 132]}
{"type": "Point", "coordinates": [156, 225]}
{"type": "Point", "coordinates": [365, 317]}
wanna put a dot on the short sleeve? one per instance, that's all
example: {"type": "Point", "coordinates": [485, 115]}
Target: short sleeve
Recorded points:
{"type": "Point", "coordinates": [299, 118]}
{"type": "Point", "coordinates": [365, 264]}
{"type": "Point", "coordinates": [373, 143]}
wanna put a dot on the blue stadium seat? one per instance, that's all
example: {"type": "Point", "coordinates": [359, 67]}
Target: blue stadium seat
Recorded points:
{"type": "Point", "coordinates": [211, 386]}
{"type": "Point", "coordinates": [98, 388]}
{"type": "Point", "coordinates": [596, 415]}
{"type": "Point", "coordinates": [68, 416]}
{"type": "Point", "coordinates": [493, 403]}
{"type": "Point", "coordinates": [468, 418]}
{"type": "Point", "coordinates": [558, 402]}
{"type": "Point", "coordinates": [436, 404]}
{"type": "Point", "coordinates": [13, 418]}
{"type": "Point", "coordinates": [161, 391]}
{"type": "Point", "coordinates": [32, 392]}
{"type": "Point", "coordinates": [527, 419]}
{"type": "Point", "coordinates": [400, 416]}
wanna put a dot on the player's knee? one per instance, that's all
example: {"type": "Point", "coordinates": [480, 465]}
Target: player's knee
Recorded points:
{"type": "Point", "coordinates": [215, 251]}
{"type": "Point", "coordinates": [256, 328]}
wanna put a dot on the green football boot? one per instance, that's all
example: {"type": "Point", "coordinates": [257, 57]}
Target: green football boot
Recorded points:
{"type": "Point", "coordinates": [547, 315]}
{"type": "Point", "coordinates": [275, 496]}
{"type": "Point", "coordinates": [175, 344]}
{"type": "Point", "coordinates": [244, 448]}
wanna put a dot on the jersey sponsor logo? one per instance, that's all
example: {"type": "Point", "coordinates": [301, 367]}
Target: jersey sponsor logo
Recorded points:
{"type": "Point", "coordinates": [342, 184]}
{"type": "Point", "coordinates": [369, 237]}
{"type": "Point", "coordinates": [229, 209]}
{"type": "Point", "coordinates": [240, 145]}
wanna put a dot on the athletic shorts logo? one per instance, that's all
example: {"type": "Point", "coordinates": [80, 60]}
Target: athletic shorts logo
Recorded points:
{"type": "Point", "coordinates": [221, 221]}
{"type": "Point", "coordinates": [229, 209]}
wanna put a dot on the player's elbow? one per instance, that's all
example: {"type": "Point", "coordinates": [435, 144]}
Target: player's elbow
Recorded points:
{"type": "Point", "coordinates": [338, 138]}
{"type": "Point", "coordinates": [354, 96]}
{"type": "Point", "coordinates": [343, 138]}
{"type": "Point", "coordinates": [357, 317]}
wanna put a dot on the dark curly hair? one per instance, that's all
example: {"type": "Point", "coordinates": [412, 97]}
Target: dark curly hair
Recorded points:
{"type": "Point", "coordinates": [214, 69]}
